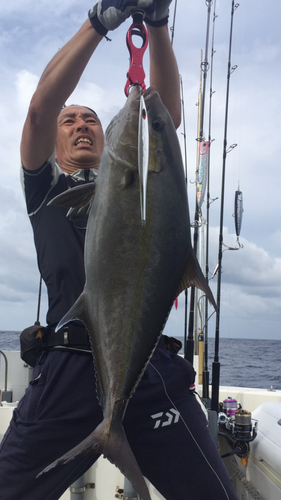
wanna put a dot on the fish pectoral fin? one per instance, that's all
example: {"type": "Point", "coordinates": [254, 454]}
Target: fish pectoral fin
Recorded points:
{"type": "Point", "coordinates": [75, 197]}
{"type": "Point", "coordinates": [193, 276]}
{"type": "Point", "coordinates": [127, 178]}
{"type": "Point", "coordinates": [77, 311]}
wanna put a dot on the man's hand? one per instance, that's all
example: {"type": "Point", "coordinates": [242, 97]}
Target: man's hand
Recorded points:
{"type": "Point", "coordinates": [107, 15]}
{"type": "Point", "coordinates": [159, 13]}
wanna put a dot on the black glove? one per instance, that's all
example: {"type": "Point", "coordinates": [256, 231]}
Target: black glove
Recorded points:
{"type": "Point", "coordinates": [107, 15]}
{"type": "Point", "coordinates": [159, 15]}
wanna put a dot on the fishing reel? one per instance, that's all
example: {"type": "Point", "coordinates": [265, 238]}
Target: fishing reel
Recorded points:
{"type": "Point", "coordinates": [239, 429]}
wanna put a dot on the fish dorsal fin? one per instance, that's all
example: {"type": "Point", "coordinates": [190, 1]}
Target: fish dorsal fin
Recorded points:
{"type": "Point", "coordinates": [77, 311]}
{"type": "Point", "coordinates": [193, 276]}
{"type": "Point", "coordinates": [75, 197]}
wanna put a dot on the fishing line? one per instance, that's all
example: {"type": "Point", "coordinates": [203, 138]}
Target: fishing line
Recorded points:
{"type": "Point", "coordinates": [238, 197]}
{"type": "Point", "coordinates": [189, 431]}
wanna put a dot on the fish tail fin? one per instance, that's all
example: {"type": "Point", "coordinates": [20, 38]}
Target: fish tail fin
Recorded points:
{"type": "Point", "coordinates": [77, 311]}
{"type": "Point", "coordinates": [118, 451]}
{"type": "Point", "coordinates": [112, 443]}
{"type": "Point", "coordinates": [193, 276]}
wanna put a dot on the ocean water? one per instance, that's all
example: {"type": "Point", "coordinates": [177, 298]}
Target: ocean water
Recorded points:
{"type": "Point", "coordinates": [243, 362]}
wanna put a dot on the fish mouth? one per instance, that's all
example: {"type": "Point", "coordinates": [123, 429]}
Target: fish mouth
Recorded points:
{"type": "Point", "coordinates": [136, 89]}
{"type": "Point", "coordinates": [148, 94]}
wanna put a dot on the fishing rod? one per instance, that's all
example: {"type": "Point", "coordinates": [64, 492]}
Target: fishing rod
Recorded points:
{"type": "Point", "coordinates": [181, 95]}
{"type": "Point", "coordinates": [186, 182]}
{"type": "Point", "coordinates": [189, 347]}
{"type": "Point", "coordinates": [216, 363]}
{"type": "Point", "coordinates": [201, 171]}
{"type": "Point", "coordinates": [174, 23]}
{"type": "Point", "coordinates": [185, 163]}
{"type": "Point", "coordinates": [37, 322]}
{"type": "Point", "coordinates": [189, 340]}
{"type": "Point", "coordinates": [184, 131]}
{"type": "Point", "coordinates": [205, 362]}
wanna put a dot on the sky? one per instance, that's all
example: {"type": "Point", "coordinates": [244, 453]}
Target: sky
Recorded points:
{"type": "Point", "coordinates": [32, 31]}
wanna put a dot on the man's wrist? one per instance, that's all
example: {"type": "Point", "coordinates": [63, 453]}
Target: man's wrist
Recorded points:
{"type": "Point", "coordinates": [95, 22]}
{"type": "Point", "coordinates": [157, 24]}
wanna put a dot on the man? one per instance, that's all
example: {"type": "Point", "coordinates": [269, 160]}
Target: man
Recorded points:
{"type": "Point", "coordinates": [60, 148]}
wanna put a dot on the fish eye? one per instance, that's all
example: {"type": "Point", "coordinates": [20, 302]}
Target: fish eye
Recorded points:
{"type": "Point", "coordinates": [158, 124]}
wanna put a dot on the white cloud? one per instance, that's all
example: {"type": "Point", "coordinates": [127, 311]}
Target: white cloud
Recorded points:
{"type": "Point", "coordinates": [106, 103]}
{"type": "Point", "coordinates": [250, 291]}
{"type": "Point", "coordinates": [33, 31]}
{"type": "Point", "coordinates": [25, 84]}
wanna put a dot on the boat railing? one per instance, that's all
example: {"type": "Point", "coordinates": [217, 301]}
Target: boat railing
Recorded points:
{"type": "Point", "coordinates": [6, 370]}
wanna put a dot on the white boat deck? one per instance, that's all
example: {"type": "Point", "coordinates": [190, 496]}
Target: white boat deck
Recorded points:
{"type": "Point", "coordinates": [103, 480]}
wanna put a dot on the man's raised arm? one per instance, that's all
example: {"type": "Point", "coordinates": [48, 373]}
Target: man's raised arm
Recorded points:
{"type": "Point", "coordinates": [63, 72]}
{"type": "Point", "coordinates": [164, 73]}
{"type": "Point", "coordinates": [57, 82]}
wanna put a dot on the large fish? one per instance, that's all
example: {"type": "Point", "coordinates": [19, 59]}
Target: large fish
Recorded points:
{"type": "Point", "coordinates": [134, 271]}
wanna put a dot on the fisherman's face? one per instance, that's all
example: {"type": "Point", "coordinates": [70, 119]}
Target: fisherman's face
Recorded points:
{"type": "Point", "coordinates": [80, 139]}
